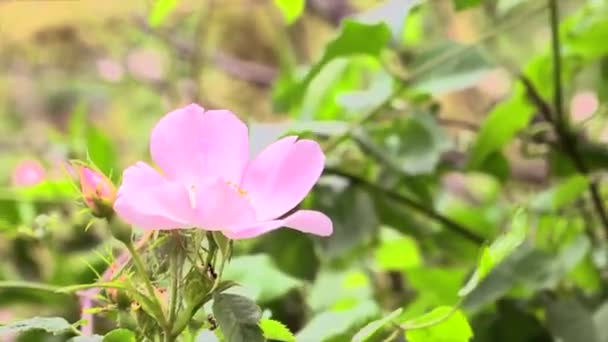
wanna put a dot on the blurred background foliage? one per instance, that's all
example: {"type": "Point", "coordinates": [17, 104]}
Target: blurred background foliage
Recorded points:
{"type": "Point", "coordinates": [438, 119]}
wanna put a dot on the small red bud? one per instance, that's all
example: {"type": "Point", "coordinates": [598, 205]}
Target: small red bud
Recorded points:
{"type": "Point", "coordinates": [98, 192]}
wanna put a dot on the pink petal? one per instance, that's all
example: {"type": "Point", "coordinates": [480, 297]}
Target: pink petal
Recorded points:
{"type": "Point", "coordinates": [307, 221]}
{"type": "Point", "coordinates": [282, 175]}
{"type": "Point", "coordinates": [148, 201]}
{"type": "Point", "coordinates": [190, 144]}
{"type": "Point", "coordinates": [220, 206]}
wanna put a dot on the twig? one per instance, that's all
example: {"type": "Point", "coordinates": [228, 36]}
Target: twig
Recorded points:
{"type": "Point", "coordinates": [421, 208]}
{"type": "Point", "coordinates": [423, 69]}
{"type": "Point", "coordinates": [567, 140]}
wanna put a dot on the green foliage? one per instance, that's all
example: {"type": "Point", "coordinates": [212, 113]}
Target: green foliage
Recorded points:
{"type": "Point", "coordinates": [276, 331]}
{"type": "Point", "coordinates": [291, 9]}
{"type": "Point", "coordinates": [160, 11]}
{"type": "Point", "coordinates": [373, 330]}
{"type": "Point", "coordinates": [347, 43]}
{"type": "Point", "coordinates": [54, 325]}
{"type": "Point", "coordinates": [465, 4]}
{"type": "Point", "coordinates": [120, 335]}
{"type": "Point", "coordinates": [444, 324]}
{"type": "Point", "coordinates": [266, 283]}
{"type": "Point", "coordinates": [238, 318]}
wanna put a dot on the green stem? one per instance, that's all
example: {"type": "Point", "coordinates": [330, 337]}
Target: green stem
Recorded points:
{"type": "Point", "coordinates": [139, 266]}
{"type": "Point", "coordinates": [174, 266]}
{"type": "Point", "coordinates": [220, 271]}
{"type": "Point", "coordinates": [27, 285]}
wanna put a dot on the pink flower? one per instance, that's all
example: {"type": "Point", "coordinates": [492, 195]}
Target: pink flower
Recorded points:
{"type": "Point", "coordinates": [97, 191]}
{"type": "Point", "coordinates": [209, 182]}
{"type": "Point", "coordinates": [27, 173]}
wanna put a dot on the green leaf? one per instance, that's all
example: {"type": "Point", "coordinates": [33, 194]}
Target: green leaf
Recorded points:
{"type": "Point", "coordinates": [120, 335]}
{"type": "Point", "coordinates": [329, 325]}
{"type": "Point", "coordinates": [160, 11]}
{"type": "Point", "coordinates": [562, 194]}
{"type": "Point", "coordinates": [54, 325]}
{"type": "Point", "coordinates": [397, 252]}
{"type": "Point", "coordinates": [444, 324]}
{"type": "Point", "coordinates": [373, 329]}
{"type": "Point", "coordinates": [238, 318]}
{"type": "Point", "coordinates": [258, 274]}
{"type": "Point", "coordinates": [600, 317]}
{"type": "Point", "coordinates": [569, 321]}
{"type": "Point", "coordinates": [291, 9]}
{"type": "Point", "coordinates": [503, 123]}
{"type": "Point", "coordinates": [347, 43]}
{"type": "Point", "coordinates": [455, 73]}
{"type": "Point", "coordinates": [465, 4]}
{"type": "Point", "coordinates": [502, 247]}
{"type": "Point", "coordinates": [277, 331]}
{"type": "Point", "coordinates": [101, 150]}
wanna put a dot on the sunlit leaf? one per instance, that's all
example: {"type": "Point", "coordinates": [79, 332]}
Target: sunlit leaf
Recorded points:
{"type": "Point", "coordinates": [276, 331]}
{"type": "Point", "coordinates": [444, 324]}
{"type": "Point", "coordinates": [160, 11]}
{"type": "Point", "coordinates": [291, 9]}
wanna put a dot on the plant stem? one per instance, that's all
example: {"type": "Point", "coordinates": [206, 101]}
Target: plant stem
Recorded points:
{"type": "Point", "coordinates": [139, 266]}
{"type": "Point", "coordinates": [454, 226]}
{"type": "Point", "coordinates": [568, 141]}
{"type": "Point", "coordinates": [174, 265]}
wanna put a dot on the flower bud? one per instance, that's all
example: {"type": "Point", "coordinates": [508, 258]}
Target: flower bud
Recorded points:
{"type": "Point", "coordinates": [98, 192]}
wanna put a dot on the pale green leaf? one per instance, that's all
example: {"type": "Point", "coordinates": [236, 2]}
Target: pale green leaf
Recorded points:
{"type": "Point", "coordinates": [54, 325]}
{"type": "Point", "coordinates": [444, 324]}
{"type": "Point", "coordinates": [372, 329]}
{"type": "Point", "coordinates": [277, 331]}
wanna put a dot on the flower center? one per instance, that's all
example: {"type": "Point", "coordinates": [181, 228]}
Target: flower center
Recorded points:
{"type": "Point", "coordinates": [239, 190]}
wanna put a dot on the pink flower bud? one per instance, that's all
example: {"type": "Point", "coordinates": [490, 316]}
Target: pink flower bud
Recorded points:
{"type": "Point", "coordinates": [97, 191]}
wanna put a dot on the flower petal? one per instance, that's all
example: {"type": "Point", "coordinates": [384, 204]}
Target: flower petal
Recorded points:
{"type": "Point", "coordinates": [307, 221]}
{"type": "Point", "coordinates": [190, 144]}
{"type": "Point", "coordinates": [145, 199]}
{"type": "Point", "coordinates": [282, 175]}
{"type": "Point", "coordinates": [220, 206]}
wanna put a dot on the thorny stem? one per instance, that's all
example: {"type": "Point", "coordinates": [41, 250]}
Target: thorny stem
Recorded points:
{"type": "Point", "coordinates": [139, 266]}
{"type": "Point", "coordinates": [175, 278]}
{"type": "Point", "coordinates": [560, 121]}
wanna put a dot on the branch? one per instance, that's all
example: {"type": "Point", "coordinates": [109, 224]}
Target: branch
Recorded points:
{"type": "Point", "coordinates": [568, 141]}
{"type": "Point", "coordinates": [431, 213]}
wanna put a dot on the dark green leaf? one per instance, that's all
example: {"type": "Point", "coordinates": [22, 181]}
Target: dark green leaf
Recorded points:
{"type": "Point", "coordinates": [570, 321]}
{"type": "Point", "coordinates": [238, 318]}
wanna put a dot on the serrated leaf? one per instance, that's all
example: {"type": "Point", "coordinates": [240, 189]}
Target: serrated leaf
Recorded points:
{"type": "Point", "coordinates": [275, 330]}
{"type": "Point", "coordinates": [291, 9]}
{"type": "Point", "coordinates": [120, 335]}
{"type": "Point", "coordinates": [54, 325]}
{"type": "Point", "coordinates": [372, 329]}
{"type": "Point", "coordinates": [259, 274]}
{"type": "Point", "coordinates": [160, 11]}
{"type": "Point", "coordinates": [444, 324]}
{"type": "Point", "coordinates": [238, 318]}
